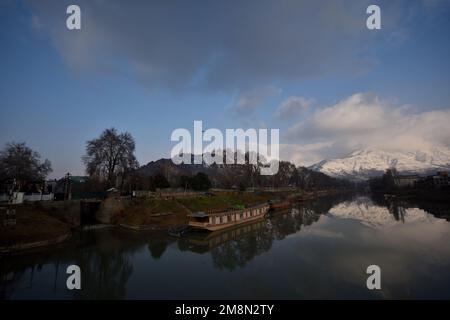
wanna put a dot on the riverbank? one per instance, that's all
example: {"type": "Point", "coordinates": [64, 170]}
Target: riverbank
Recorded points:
{"type": "Point", "coordinates": [34, 227]}
{"type": "Point", "coordinates": [118, 263]}
{"type": "Point", "coordinates": [46, 223]}
{"type": "Point", "coordinates": [436, 195]}
{"type": "Point", "coordinates": [161, 214]}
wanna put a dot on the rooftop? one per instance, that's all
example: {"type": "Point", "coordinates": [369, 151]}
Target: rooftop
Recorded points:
{"type": "Point", "coordinates": [199, 214]}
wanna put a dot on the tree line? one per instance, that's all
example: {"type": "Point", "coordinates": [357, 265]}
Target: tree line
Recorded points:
{"type": "Point", "coordinates": [110, 162]}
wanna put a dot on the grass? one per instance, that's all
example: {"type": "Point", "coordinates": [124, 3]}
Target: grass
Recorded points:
{"type": "Point", "coordinates": [32, 226]}
{"type": "Point", "coordinates": [141, 212]}
{"type": "Point", "coordinates": [224, 201]}
{"type": "Point", "coordinates": [146, 212]}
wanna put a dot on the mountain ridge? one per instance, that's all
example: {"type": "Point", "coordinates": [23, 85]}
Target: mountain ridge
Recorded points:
{"type": "Point", "coordinates": [363, 164]}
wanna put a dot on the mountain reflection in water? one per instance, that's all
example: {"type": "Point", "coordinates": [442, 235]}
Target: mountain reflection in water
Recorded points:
{"type": "Point", "coordinates": [318, 249]}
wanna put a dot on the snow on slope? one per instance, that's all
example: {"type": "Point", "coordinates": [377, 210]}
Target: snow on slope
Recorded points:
{"type": "Point", "coordinates": [365, 163]}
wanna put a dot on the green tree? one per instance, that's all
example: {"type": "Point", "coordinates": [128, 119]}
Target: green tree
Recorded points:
{"type": "Point", "coordinates": [185, 182]}
{"type": "Point", "coordinates": [159, 181]}
{"type": "Point", "coordinates": [200, 182]}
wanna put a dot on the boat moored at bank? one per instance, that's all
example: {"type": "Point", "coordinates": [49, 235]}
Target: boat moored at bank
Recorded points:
{"type": "Point", "coordinates": [221, 220]}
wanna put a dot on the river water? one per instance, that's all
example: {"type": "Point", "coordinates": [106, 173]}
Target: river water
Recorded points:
{"type": "Point", "coordinates": [320, 249]}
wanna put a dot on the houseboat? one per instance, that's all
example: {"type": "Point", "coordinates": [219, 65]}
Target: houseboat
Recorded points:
{"type": "Point", "coordinates": [226, 219]}
{"type": "Point", "coordinates": [202, 242]}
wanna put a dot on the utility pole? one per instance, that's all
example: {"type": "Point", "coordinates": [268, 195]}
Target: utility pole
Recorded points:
{"type": "Point", "coordinates": [67, 187]}
{"type": "Point", "coordinates": [42, 188]}
{"type": "Point", "coordinates": [11, 191]}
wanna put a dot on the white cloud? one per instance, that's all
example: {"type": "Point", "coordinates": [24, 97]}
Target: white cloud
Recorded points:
{"type": "Point", "coordinates": [304, 154]}
{"type": "Point", "coordinates": [364, 120]}
{"type": "Point", "coordinates": [248, 101]}
{"type": "Point", "coordinates": [293, 106]}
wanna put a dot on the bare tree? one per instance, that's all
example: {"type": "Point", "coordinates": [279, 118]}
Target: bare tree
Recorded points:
{"type": "Point", "coordinates": [19, 162]}
{"type": "Point", "coordinates": [110, 156]}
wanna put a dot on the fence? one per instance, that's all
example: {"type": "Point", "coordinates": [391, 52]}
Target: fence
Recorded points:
{"type": "Point", "coordinates": [38, 197]}
{"type": "Point", "coordinates": [167, 194]}
{"type": "Point", "coordinates": [20, 197]}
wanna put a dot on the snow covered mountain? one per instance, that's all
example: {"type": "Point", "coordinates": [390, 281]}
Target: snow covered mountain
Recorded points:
{"type": "Point", "coordinates": [369, 162]}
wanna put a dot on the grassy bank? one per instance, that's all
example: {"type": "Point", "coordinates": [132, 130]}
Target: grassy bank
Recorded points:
{"type": "Point", "coordinates": [163, 213]}
{"type": "Point", "coordinates": [42, 223]}
{"type": "Point", "coordinates": [153, 213]}
{"type": "Point", "coordinates": [34, 224]}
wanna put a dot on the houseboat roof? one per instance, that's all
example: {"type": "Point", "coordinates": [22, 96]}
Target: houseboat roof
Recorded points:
{"type": "Point", "coordinates": [198, 214]}
{"type": "Point", "coordinates": [201, 214]}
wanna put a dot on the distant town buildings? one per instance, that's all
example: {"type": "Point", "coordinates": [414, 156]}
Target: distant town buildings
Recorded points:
{"type": "Point", "coordinates": [436, 181]}
{"type": "Point", "coordinates": [402, 181]}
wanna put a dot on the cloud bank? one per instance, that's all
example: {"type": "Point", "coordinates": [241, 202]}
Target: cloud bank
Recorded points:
{"type": "Point", "coordinates": [293, 106]}
{"type": "Point", "coordinates": [213, 44]}
{"type": "Point", "coordinates": [363, 120]}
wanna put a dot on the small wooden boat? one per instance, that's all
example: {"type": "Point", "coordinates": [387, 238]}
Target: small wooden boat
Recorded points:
{"type": "Point", "coordinates": [279, 204]}
{"type": "Point", "coordinates": [226, 219]}
{"type": "Point", "coordinates": [179, 231]}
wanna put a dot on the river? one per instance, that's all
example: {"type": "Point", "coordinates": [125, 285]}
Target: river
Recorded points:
{"type": "Point", "coordinates": [318, 250]}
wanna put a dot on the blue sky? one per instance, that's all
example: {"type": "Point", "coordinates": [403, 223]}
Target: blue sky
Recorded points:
{"type": "Point", "coordinates": [149, 68]}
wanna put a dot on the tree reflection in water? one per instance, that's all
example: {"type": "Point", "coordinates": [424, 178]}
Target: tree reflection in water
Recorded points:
{"type": "Point", "coordinates": [157, 246]}
{"type": "Point", "coordinates": [236, 247]}
{"type": "Point", "coordinates": [106, 267]}
{"type": "Point", "coordinates": [105, 261]}
{"type": "Point", "coordinates": [397, 206]}
{"type": "Point", "coordinates": [231, 249]}
{"type": "Point", "coordinates": [110, 257]}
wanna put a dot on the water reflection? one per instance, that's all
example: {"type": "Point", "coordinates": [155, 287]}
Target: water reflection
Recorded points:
{"type": "Point", "coordinates": [235, 247]}
{"type": "Point", "coordinates": [371, 214]}
{"type": "Point", "coordinates": [317, 249]}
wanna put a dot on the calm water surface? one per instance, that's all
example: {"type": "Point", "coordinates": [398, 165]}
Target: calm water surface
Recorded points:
{"type": "Point", "coordinates": [320, 249]}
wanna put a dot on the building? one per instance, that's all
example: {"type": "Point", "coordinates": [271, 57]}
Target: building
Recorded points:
{"type": "Point", "coordinates": [440, 179]}
{"type": "Point", "coordinates": [437, 181]}
{"type": "Point", "coordinates": [403, 181]}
